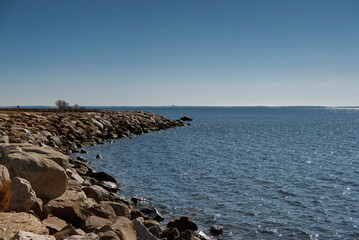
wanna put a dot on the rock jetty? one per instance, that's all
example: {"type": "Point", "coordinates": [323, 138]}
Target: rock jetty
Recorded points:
{"type": "Point", "coordinates": [46, 195]}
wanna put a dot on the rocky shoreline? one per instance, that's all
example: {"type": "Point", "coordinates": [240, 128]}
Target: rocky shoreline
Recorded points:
{"type": "Point", "coordinates": [46, 195]}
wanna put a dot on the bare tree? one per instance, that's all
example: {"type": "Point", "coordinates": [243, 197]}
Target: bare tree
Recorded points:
{"type": "Point", "coordinates": [62, 104]}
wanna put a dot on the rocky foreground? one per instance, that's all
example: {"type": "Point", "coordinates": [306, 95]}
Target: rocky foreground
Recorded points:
{"type": "Point", "coordinates": [46, 195]}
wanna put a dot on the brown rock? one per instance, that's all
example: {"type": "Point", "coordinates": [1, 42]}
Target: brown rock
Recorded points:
{"type": "Point", "coordinates": [106, 233]}
{"type": "Point", "coordinates": [69, 211]}
{"type": "Point", "coordinates": [120, 209]}
{"type": "Point", "coordinates": [23, 197]}
{"type": "Point", "coordinates": [11, 223]}
{"type": "Point", "coordinates": [48, 153]}
{"type": "Point", "coordinates": [47, 178]}
{"type": "Point", "coordinates": [103, 210]}
{"type": "Point", "coordinates": [66, 232]}
{"type": "Point", "coordinates": [4, 174]}
{"type": "Point", "coordinates": [123, 227]}
{"type": "Point", "coordinates": [142, 231]}
{"type": "Point", "coordinates": [154, 227]}
{"type": "Point", "coordinates": [97, 193]}
{"type": "Point", "coordinates": [94, 222]}
{"type": "Point", "coordinates": [54, 224]}
{"type": "Point", "coordinates": [37, 210]}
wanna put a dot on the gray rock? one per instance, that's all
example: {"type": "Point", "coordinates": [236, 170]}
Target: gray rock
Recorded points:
{"type": "Point", "coordinates": [142, 231]}
{"type": "Point", "coordinates": [75, 176]}
{"type": "Point", "coordinates": [21, 235]}
{"type": "Point", "coordinates": [88, 236]}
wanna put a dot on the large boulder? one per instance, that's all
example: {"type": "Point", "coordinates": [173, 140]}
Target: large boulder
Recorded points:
{"type": "Point", "coordinates": [49, 153]}
{"type": "Point", "coordinates": [23, 197]}
{"type": "Point", "coordinates": [11, 223]}
{"type": "Point", "coordinates": [47, 178]}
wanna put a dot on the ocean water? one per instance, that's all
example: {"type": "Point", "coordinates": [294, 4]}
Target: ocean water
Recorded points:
{"type": "Point", "coordinates": [261, 173]}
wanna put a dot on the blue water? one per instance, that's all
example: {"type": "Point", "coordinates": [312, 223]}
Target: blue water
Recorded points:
{"type": "Point", "coordinates": [261, 173]}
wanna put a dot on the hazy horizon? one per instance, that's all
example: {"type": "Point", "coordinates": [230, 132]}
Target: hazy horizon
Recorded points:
{"type": "Point", "coordinates": [183, 53]}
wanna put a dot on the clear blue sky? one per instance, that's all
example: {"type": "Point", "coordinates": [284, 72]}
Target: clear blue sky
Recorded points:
{"type": "Point", "coordinates": [184, 52]}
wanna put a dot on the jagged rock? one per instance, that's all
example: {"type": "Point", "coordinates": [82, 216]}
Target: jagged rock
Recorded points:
{"type": "Point", "coordinates": [170, 233]}
{"type": "Point", "coordinates": [201, 235]}
{"type": "Point", "coordinates": [54, 224]}
{"type": "Point", "coordinates": [70, 211]}
{"type": "Point", "coordinates": [142, 231]}
{"type": "Point", "coordinates": [97, 124]}
{"type": "Point", "coordinates": [120, 209]}
{"type": "Point", "coordinates": [21, 235]}
{"type": "Point", "coordinates": [216, 229]}
{"type": "Point", "coordinates": [123, 227]}
{"type": "Point", "coordinates": [106, 233]}
{"type": "Point", "coordinates": [88, 236]}
{"type": "Point", "coordinates": [23, 197]}
{"type": "Point", "coordinates": [103, 210]}
{"type": "Point", "coordinates": [153, 213]}
{"type": "Point", "coordinates": [47, 178]}
{"type": "Point", "coordinates": [183, 223]}
{"type": "Point", "coordinates": [11, 223]}
{"type": "Point", "coordinates": [97, 193]}
{"type": "Point", "coordinates": [94, 222]}
{"type": "Point", "coordinates": [4, 174]}
{"type": "Point", "coordinates": [154, 227]}
{"type": "Point", "coordinates": [83, 151]}
{"type": "Point", "coordinates": [68, 231]}
{"type": "Point", "coordinates": [74, 175]}
{"type": "Point", "coordinates": [98, 156]}
{"type": "Point", "coordinates": [137, 214]}
{"type": "Point", "coordinates": [37, 209]}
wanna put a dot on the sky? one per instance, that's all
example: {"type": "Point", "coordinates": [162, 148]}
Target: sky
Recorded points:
{"type": "Point", "coordinates": [179, 52]}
